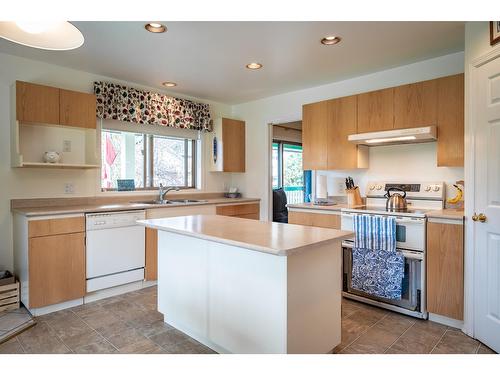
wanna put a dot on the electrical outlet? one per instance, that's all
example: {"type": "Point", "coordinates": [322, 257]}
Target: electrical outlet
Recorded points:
{"type": "Point", "coordinates": [69, 188]}
{"type": "Point", "coordinates": [66, 146]}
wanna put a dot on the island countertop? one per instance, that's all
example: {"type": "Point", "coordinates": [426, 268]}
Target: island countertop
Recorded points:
{"type": "Point", "coordinates": [268, 237]}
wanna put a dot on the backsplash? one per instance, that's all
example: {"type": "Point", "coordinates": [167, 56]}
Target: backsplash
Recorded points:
{"type": "Point", "coordinates": [402, 163]}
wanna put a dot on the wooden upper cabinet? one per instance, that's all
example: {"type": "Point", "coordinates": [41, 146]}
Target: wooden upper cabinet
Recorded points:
{"type": "Point", "coordinates": [51, 105]}
{"type": "Point", "coordinates": [233, 135]}
{"type": "Point", "coordinates": [450, 132]}
{"type": "Point", "coordinates": [37, 103]}
{"type": "Point", "coordinates": [415, 105]}
{"type": "Point", "coordinates": [342, 154]}
{"type": "Point", "coordinates": [315, 121]}
{"type": "Point", "coordinates": [445, 269]}
{"type": "Point", "coordinates": [77, 109]}
{"type": "Point", "coordinates": [375, 111]}
{"type": "Point", "coordinates": [56, 269]}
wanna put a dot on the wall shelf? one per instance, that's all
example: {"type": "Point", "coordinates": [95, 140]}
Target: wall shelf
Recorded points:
{"type": "Point", "coordinates": [58, 165]}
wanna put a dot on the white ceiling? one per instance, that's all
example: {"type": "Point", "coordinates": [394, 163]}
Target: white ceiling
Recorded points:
{"type": "Point", "coordinates": [207, 59]}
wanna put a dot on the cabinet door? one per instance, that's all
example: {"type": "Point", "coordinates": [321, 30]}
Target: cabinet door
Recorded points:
{"type": "Point", "coordinates": [56, 269]}
{"type": "Point", "coordinates": [300, 218]}
{"type": "Point", "coordinates": [77, 109]}
{"type": "Point", "coordinates": [315, 120]}
{"type": "Point", "coordinates": [415, 105]}
{"type": "Point", "coordinates": [233, 135]}
{"type": "Point", "coordinates": [376, 111]}
{"type": "Point", "coordinates": [342, 154]}
{"type": "Point", "coordinates": [450, 145]}
{"type": "Point", "coordinates": [37, 103]}
{"type": "Point", "coordinates": [151, 269]}
{"type": "Point", "coordinates": [445, 269]}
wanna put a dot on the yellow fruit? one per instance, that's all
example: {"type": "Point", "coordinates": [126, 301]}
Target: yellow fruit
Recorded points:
{"type": "Point", "coordinates": [458, 197]}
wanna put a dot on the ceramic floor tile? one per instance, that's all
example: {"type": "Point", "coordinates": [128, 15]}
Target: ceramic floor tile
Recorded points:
{"type": "Point", "coordinates": [11, 347]}
{"type": "Point", "coordinates": [151, 329]}
{"type": "Point", "coordinates": [483, 349]}
{"type": "Point", "coordinates": [82, 338]}
{"type": "Point", "coordinates": [42, 339]}
{"type": "Point", "coordinates": [98, 347]}
{"type": "Point", "coordinates": [188, 346]}
{"type": "Point", "coordinates": [112, 328]}
{"type": "Point", "coordinates": [141, 346]}
{"type": "Point", "coordinates": [126, 337]}
{"type": "Point", "coordinates": [456, 342]}
{"type": "Point", "coordinates": [169, 338]}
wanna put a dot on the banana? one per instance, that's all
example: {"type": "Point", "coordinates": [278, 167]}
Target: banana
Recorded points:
{"type": "Point", "coordinates": [458, 197]}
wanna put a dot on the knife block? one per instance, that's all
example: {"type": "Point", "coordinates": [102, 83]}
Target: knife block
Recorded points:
{"type": "Point", "coordinates": [353, 197]}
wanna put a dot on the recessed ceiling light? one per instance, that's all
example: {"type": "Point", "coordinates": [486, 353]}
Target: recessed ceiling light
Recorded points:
{"type": "Point", "coordinates": [330, 40]}
{"type": "Point", "coordinates": [254, 66]}
{"type": "Point", "coordinates": [48, 35]}
{"type": "Point", "coordinates": [169, 84]}
{"type": "Point", "coordinates": [155, 27]}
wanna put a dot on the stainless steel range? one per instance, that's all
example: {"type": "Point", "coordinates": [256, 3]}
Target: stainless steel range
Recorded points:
{"type": "Point", "coordinates": [410, 241]}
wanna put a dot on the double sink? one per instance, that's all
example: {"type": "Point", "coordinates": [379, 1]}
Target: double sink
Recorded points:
{"type": "Point", "coordinates": [171, 202]}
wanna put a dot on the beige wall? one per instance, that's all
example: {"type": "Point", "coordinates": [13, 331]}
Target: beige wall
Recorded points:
{"type": "Point", "coordinates": [38, 183]}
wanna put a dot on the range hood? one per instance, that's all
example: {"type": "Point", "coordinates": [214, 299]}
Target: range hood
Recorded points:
{"type": "Point", "coordinates": [397, 136]}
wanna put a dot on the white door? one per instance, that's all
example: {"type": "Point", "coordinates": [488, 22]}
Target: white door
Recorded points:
{"type": "Point", "coordinates": [486, 111]}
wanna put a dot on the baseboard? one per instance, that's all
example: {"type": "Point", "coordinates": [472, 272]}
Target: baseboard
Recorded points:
{"type": "Point", "coordinates": [56, 307]}
{"type": "Point", "coordinates": [114, 291]}
{"type": "Point", "coordinates": [459, 324]}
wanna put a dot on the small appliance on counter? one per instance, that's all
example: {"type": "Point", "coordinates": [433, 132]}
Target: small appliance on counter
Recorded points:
{"type": "Point", "coordinates": [232, 193]}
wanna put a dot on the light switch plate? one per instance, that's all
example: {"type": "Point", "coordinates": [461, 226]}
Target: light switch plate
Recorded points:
{"type": "Point", "coordinates": [66, 146]}
{"type": "Point", "coordinates": [69, 188]}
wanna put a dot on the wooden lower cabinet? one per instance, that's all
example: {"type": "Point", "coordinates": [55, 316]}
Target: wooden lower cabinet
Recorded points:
{"type": "Point", "coordinates": [151, 269]}
{"type": "Point", "coordinates": [331, 221]}
{"type": "Point", "coordinates": [445, 269]}
{"type": "Point", "coordinates": [246, 210]}
{"type": "Point", "coordinates": [56, 269]}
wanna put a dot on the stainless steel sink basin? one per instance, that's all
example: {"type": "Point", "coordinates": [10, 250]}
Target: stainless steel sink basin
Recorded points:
{"type": "Point", "coordinates": [186, 201]}
{"type": "Point", "coordinates": [170, 201]}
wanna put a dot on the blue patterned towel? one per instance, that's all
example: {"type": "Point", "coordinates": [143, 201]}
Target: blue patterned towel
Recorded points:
{"type": "Point", "coordinates": [375, 232]}
{"type": "Point", "coordinates": [377, 268]}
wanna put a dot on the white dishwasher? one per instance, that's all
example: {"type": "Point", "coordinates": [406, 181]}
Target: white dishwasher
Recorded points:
{"type": "Point", "coordinates": [115, 249]}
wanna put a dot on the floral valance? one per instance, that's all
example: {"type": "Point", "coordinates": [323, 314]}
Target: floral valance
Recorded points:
{"type": "Point", "coordinates": [123, 103]}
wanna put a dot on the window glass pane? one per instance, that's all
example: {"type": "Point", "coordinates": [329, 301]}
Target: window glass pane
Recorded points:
{"type": "Point", "coordinates": [275, 168]}
{"type": "Point", "coordinates": [169, 159]}
{"type": "Point", "coordinates": [293, 175]}
{"type": "Point", "coordinates": [122, 157]}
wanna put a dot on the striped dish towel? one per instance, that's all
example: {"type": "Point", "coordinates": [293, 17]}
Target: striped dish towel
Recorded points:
{"type": "Point", "coordinates": [375, 232]}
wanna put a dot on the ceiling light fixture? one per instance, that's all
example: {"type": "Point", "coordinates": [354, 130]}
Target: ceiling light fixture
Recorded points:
{"type": "Point", "coordinates": [169, 84]}
{"type": "Point", "coordinates": [254, 66]}
{"type": "Point", "coordinates": [155, 27]}
{"type": "Point", "coordinates": [395, 139]}
{"type": "Point", "coordinates": [42, 34]}
{"type": "Point", "coordinates": [330, 40]}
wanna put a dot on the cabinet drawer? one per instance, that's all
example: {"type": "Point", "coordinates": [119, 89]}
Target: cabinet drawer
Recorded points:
{"type": "Point", "coordinates": [49, 227]}
{"type": "Point", "coordinates": [238, 209]}
{"type": "Point", "coordinates": [331, 221]}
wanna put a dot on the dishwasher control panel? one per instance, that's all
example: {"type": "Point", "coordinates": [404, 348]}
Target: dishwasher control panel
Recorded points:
{"type": "Point", "coordinates": [107, 220]}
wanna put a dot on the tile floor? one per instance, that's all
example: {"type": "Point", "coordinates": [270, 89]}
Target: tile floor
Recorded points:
{"type": "Point", "coordinates": [130, 324]}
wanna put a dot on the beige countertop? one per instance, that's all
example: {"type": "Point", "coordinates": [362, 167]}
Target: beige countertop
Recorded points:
{"type": "Point", "coordinates": [120, 206]}
{"type": "Point", "coordinates": [268, 237]}
{"type": "Point", "coordinates": [447, 213]}
{"type": "Point", "coordinates": [310, 206]}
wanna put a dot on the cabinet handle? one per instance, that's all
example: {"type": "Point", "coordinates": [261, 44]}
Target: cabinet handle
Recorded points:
{"type": "Point", "coordinates": [481, 217]}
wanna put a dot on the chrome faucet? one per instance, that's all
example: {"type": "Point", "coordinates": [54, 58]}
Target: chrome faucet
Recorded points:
{"type": "Point", "coordinates": [163, 191]}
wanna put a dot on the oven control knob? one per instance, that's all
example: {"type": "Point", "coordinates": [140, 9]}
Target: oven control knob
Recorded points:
{"type": "Point", "coordinates": [435, 188]}
{"type": "Point", "coordinates": [372, 187]}
{"type": "Point", "coordinates": [427, 188]}
{"type": "Point", "coordinates": [379, 187]}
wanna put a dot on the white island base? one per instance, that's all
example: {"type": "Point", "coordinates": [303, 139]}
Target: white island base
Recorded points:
{"type": "Point", "coordinates": [238, 300]}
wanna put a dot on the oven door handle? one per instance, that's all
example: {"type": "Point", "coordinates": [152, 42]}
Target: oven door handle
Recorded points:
{"type": "Point", "coordinates": [407, 254]}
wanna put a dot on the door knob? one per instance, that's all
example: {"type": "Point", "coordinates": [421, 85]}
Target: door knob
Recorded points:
{"type": "Point", "coordinates": [480, 217]}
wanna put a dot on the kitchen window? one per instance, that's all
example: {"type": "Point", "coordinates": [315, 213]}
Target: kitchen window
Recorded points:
{"type": "Point", "coordinates": [148, 159]}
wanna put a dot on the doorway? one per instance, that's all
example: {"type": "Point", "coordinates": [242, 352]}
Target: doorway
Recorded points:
{"type": "Point", "coordinates": [288, 178]}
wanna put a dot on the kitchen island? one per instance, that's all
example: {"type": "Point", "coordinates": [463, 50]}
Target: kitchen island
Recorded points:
{"type": "Point", "coordinates": [246, 286]}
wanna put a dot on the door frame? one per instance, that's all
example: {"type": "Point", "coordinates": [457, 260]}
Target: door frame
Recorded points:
{"type": "Point", "coordinates": [469, 172]}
